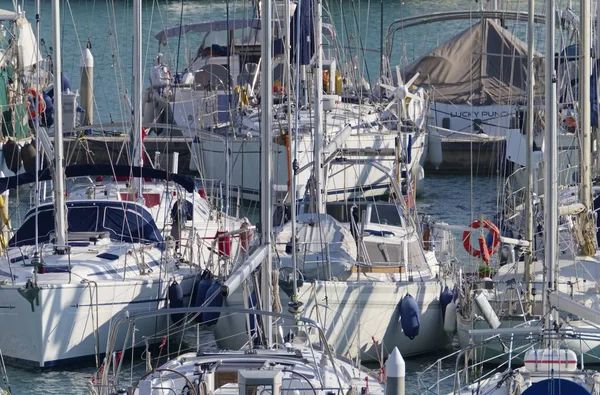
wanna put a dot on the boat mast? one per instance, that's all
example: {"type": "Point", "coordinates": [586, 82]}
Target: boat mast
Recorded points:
{"type": "Point", "coordinates": [59, 177]}
{"type": "Point", "coordinates": [137, 92]}
{"type": "Point", "coordinates": [588, 246]}
{"type": "Point", "coordinates": [550, 154]}
{"type": "Point", "coordinates": [36, 124]}
{"type": "Point", "coordinates": [318, 143]}
{"type": "Point", "coordinates": [292, 138]}
{"type": "Point", "coordinates": [529, 139]}
{"type": "Point", "coordinates": [597, 93]}
{"type": "Point", "coordinates": [265, 159]}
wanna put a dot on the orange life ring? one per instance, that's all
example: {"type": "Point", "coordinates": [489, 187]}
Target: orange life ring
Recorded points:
{"type": "Point", "coordinates": [495, 241]}
{"type": "Point", "coordinates": [41, 107]}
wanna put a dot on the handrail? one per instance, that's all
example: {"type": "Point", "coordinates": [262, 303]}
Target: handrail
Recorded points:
{"type": "Point", "coordinates": [548, 333]}
{"type": "Point", "coordinates": [131, 318]}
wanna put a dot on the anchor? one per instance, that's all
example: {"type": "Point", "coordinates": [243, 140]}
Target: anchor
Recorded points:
{"type": "Point", "coordinates": [30, 292]}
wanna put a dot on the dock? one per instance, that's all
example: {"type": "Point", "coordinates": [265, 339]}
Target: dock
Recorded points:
{"type": "Point", "coordinates": [481, 156]}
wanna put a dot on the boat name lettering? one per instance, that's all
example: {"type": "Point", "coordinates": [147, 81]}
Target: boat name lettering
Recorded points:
{"type": "Point", "coordinates": [478, 114]}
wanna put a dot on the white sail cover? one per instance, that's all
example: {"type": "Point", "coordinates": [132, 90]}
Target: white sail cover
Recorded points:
{"type": "Point", "coordinates": [319, 237]}
{"type": "Point", "coordinates": [26, 44]}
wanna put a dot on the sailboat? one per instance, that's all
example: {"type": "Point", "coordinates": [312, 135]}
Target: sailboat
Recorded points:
{"type": "Point", "coordinates": [203, 99]}
{"type": "Point", "coordinates": [359, 268]}
{"type": "Point", "coordinates": [549, 368]}
{"type": "Point", "coordinates": [269, 362]}
{"type": "Point", "coordinates": [516, 298]}
{"type": "Point", "coordinates": [71, 266]}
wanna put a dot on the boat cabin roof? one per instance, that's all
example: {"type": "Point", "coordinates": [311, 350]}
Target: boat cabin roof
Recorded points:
{"type": "Point", "coordinates": [123, 221]}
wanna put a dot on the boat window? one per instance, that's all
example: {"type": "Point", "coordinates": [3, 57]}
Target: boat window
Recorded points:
{"type": "Point", "coordinates": [127, 225]}
{"type": "Point", "coordinates": [83, 219]}
{"type": "Point", "coordinates": [385, 213]}
{"type": "Point", "coordinates": [212, 76]}
{"type": "Point", "coordinates": [244, 36]}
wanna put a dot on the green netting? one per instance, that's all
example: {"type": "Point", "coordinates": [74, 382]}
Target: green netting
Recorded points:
{"type": "Point", "coordinates": [14, 118]}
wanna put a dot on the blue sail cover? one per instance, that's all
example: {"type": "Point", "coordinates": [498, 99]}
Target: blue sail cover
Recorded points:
{"type": "Point", "coordinates": [98, 170]}
{"type": "Point", "coordinates": [124, 221]}
{"type": "Point", "coordinates": [304, 45]}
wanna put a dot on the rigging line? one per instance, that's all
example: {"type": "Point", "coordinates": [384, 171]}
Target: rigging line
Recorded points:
{"type": "Point", "coordinates": [347, 34]}
{"type": "Point", "coordinates": [148, 40]}
{"type": "Point", "coordinates": [91, 18]}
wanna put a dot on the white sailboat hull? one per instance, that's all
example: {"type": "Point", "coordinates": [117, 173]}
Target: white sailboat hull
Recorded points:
{"type": "Point", "coordinates": [497, 354]}
{"type": "Point", "coordinates": [358, 317]}
{"type": "Point", "coordinates": [60, 329]}
{"type": "Point", "coordinates": [343, 181]}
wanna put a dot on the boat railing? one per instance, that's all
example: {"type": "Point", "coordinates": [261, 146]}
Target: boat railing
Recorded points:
{"type": "Point", "coordinates": [108, 376]}
{"type": "Point", "coordinates": [226, 198]}
{"type": "Point", "coordinates": [229, 259]}
{"type": "Point", "coordinates": [466, 364]}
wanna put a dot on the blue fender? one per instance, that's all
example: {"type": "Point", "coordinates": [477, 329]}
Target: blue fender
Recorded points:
{"type": "Point", "coordinates": [176, 300]}
{"type": "Point", "coordinates": [202, 287]}
{"type": "Point", "coordinates": [212, 318]}
{"type": "Point", "coordinates": [410, 316]}
{"type": "Point", "coordinates": [445, 299]}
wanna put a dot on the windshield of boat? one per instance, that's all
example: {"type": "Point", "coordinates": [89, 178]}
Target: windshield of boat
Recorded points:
{"type": "Point", "coordinates": [383, 214]}
{"type": "Point", "coordinates": [245, 36]}
{"type": "Point", "coordinates": [123, 221]}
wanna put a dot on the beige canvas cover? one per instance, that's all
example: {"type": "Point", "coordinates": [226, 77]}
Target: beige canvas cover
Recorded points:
{"type": "Point", "coordinates": [483, 65]}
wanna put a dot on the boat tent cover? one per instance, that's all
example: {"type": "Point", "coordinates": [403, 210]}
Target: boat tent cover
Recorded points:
{"type": "Point", "coordinates": [483, 65]}
{"type": "Point", "coordinates": [124, 221]}
{"type": "Point", "coordinates": [320, 237]}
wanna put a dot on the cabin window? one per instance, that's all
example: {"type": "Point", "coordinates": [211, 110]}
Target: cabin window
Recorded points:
{"type": "Point", "coordinates": [83, 219]}
{"type": "Point", "coordinates": [446, 123]}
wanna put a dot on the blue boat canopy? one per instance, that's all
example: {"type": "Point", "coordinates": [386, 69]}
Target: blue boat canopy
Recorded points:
{"type": "Point", "coordinates": [186, 182]}
{"type": "Point", "coordinates": [124, 221]}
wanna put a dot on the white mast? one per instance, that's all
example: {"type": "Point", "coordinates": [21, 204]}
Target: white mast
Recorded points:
{"type": "Point", "coordinates": [529, 150]}
{"type": "Point", "coordinates": [59, 177]}
{"type": "Point", "coordinates": [550, 154]}
{"type": "Point", "coordinates": [318, 143]}
{"type": "Point", "coordinates": [265, 159]}
{"type": "Point", "coordinates": [37, 124]}
{"type": "Point", "coordinates": [292, 136]}
{"type": "Point", "coordinates": [585, 182]}
{"type": "Point", "coordinates": [137, 91]}
{"type": "Point", "coordinates": [597, 93]}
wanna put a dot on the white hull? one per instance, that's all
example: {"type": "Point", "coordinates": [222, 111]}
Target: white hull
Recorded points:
{"type": "Point", "coordinates": [497, 354]}
{"type": "Point", "coordinates": [343, 181]}
{"type": "Point", "coordinates": [60, 330]}
{"type": "Point", "coordinates": [354, 314]}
